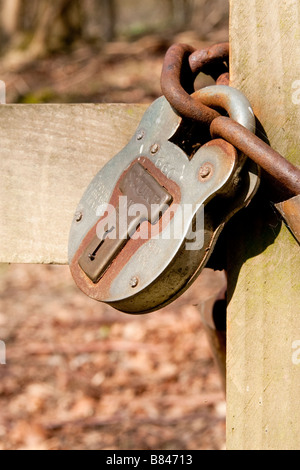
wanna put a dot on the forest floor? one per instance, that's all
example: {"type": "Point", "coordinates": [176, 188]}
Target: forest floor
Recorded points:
{"type": "Point", "coordinates": [80, 375]}
{"type": "Point", "coordinates": [121, 72]}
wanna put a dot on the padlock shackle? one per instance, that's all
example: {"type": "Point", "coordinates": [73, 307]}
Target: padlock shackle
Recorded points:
{"type": "Point", "coordinates": [233, 101]}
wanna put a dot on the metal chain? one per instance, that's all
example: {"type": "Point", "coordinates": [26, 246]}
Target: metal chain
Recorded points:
{"type": "Point", "coordinates": [181, 66]}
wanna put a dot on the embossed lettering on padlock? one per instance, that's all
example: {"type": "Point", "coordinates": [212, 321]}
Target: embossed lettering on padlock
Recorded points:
{"type": "Point", "coordinates": [139, 265]}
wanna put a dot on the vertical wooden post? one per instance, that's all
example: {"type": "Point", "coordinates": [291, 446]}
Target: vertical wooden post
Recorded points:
{"type": "Point", "coordinates": [263, 363]}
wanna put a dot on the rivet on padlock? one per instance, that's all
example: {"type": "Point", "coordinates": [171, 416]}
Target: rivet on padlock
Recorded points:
{"type": "Point", "coordinates": [136, 246]}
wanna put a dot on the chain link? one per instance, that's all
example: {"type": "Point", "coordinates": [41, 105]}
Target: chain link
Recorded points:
{"type": "Point", "coordinates": [181, 66]}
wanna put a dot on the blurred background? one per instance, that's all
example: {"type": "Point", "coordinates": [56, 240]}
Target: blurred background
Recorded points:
{"type": "Point", "coordinates": [80, 375]}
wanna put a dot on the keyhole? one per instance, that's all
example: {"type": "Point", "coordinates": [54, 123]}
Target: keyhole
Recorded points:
{"type": "Point", "coordinates": [93, 255]}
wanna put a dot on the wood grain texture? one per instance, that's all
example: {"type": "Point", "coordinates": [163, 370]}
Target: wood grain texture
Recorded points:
{"type": "Point", "coordinates": [48, 156]}
{"type": "Point", "coordinates": [263, 362]}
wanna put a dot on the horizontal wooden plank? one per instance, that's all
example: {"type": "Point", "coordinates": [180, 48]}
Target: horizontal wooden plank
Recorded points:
{"type": "Point", "coordinates": [48, 156]}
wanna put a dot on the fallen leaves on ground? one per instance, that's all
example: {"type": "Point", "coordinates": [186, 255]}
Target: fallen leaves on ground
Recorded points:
{"type": "Point", "coordinates": [81, 375]}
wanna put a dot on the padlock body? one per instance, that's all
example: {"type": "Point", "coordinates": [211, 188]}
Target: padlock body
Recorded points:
{"type": "Point", "coordinates": [157, 253]}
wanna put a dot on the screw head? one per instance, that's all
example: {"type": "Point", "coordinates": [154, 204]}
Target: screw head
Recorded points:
{"type": "Point", "coordinates": [140, 135]}
{"type": "Point", "coordinates": [154, 149]}
{"type": "Point", "coordinates": [206, 171]}
{"type": "Point", "coordinates": [134, 282]}
{"type": "Point", "coordinates": [78, 216]}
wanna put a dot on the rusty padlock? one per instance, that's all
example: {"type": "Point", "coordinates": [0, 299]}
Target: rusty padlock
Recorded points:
{"type": "Point", "coordinates": [152, 215]}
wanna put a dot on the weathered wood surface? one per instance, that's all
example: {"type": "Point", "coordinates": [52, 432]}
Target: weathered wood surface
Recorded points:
{"type": "Point", "coordinates": [263, 363]}
{"type": "Point", "coordinates": [48, 155]}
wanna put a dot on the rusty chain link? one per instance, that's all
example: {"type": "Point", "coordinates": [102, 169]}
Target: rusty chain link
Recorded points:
{"type": "Point", "coordinates": [181, 66]}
